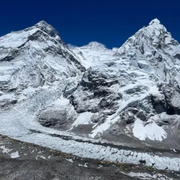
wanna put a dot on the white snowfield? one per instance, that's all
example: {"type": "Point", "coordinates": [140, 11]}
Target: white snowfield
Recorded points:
{"type": "Point", "coordinates": [134, 87]}
{"type": "Point", "coordinates": [151, 130]}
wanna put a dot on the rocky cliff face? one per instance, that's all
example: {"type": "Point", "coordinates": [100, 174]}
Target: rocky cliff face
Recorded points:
{"type": "Point", "coordinates": [126, 94]}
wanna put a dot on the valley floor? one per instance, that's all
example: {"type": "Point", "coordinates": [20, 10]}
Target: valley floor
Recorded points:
{"type": "Point", "coordinates": [19, 161]}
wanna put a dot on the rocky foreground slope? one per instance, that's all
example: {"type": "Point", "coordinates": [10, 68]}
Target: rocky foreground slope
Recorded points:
{"type": "Point", "coordinates": [83, 100]}
{"type": "Point", "coordinates": [21, 161]}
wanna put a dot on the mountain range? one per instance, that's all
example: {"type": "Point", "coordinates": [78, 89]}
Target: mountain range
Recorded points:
{"type": "Point", "coordinates": [128, 96]}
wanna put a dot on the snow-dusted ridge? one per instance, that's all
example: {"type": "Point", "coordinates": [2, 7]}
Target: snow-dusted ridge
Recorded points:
{"type": "Point", "coordinates": [88, 100]}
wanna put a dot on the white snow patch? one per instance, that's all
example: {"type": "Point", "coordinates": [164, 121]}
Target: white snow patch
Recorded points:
{"type": "Point", "coordinates": [83, 118]}
{"type": "Point", "coordinates": [4, 149]}
{"type": "Point", "coordinates": [41, 157]}
{"type": "Point", "coordinates": [70, 160]}
{"type": "Point", "coordinates": [15, 155]}
{"type": "Point", "coordinates": [83, 165]}
{"type": "Point", "coordinates": [61, 102]}
{"type": "Point", "coordinates": [149, 130]}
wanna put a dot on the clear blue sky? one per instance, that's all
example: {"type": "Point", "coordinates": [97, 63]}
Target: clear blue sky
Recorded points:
{"type": "Point", "coordinates": [78, 22]}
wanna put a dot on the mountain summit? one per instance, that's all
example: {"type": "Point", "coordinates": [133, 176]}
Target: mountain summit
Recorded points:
{"type": "Point", "coordinates": [47, 28]}
{"type": "Point", "coordinates": [155, 21]}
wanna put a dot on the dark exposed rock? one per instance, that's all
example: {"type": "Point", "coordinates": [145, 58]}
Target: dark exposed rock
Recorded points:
{"type": "Point", "coordinates": [14, 53]}
{"type": "Point", "coordinates": [166, 105]}
{"type": "Point", "coordinates": [58, 119]}
{"type": "Point", "coordinates": [94, 86]}
{"type": "Point", "coordinates": [98, 117]}
{"type": "Point", "coordinates": [136, 89]}
{"type": "Point", "coordinates": [44, 26]}
{"type": "Point", "coordinates": [142, 115]}
{"type": "Point", "coordinates": [6, 103]}
{"type": "Point", "coordinates": [177, 56]}
{"type": "Point", "coordinates": [69, 89]}
{"type": "Point", "coordinates": [110, 101]}
{"type": "Point", "coordinates": [142, 161]}
{"type": "Point", "coordinates": [4, 86]}
{"type": "Point", "coordinates": [95, 80]}
{"type": "Point", "coordinates": [142, 104]}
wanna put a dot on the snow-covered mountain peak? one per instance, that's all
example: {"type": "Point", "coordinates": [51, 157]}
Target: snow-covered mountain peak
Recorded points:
{"type": "Point", "coordinates": [152, 48]}
{"type": "Point", "coordinates": [47, 28]}
{"type": "Point", "coordinates": [93, 54]}
{"type": "Point", "coordinates": [34, 57]}
{"type": "Point", "coordinates": [153, 31]}
{"type": "Point", "coordinates": [155, 21]}
{"type": "Point", "coordinates": [95, 46]}
{"type": "Point", "coordinates": [155, 28]}
{"type": "Point", "coordinates": [153, 37]}
{"type": "Point", "coordinates": [41, 31]}
{"type": "Point", "coordinates": [42, 23]}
